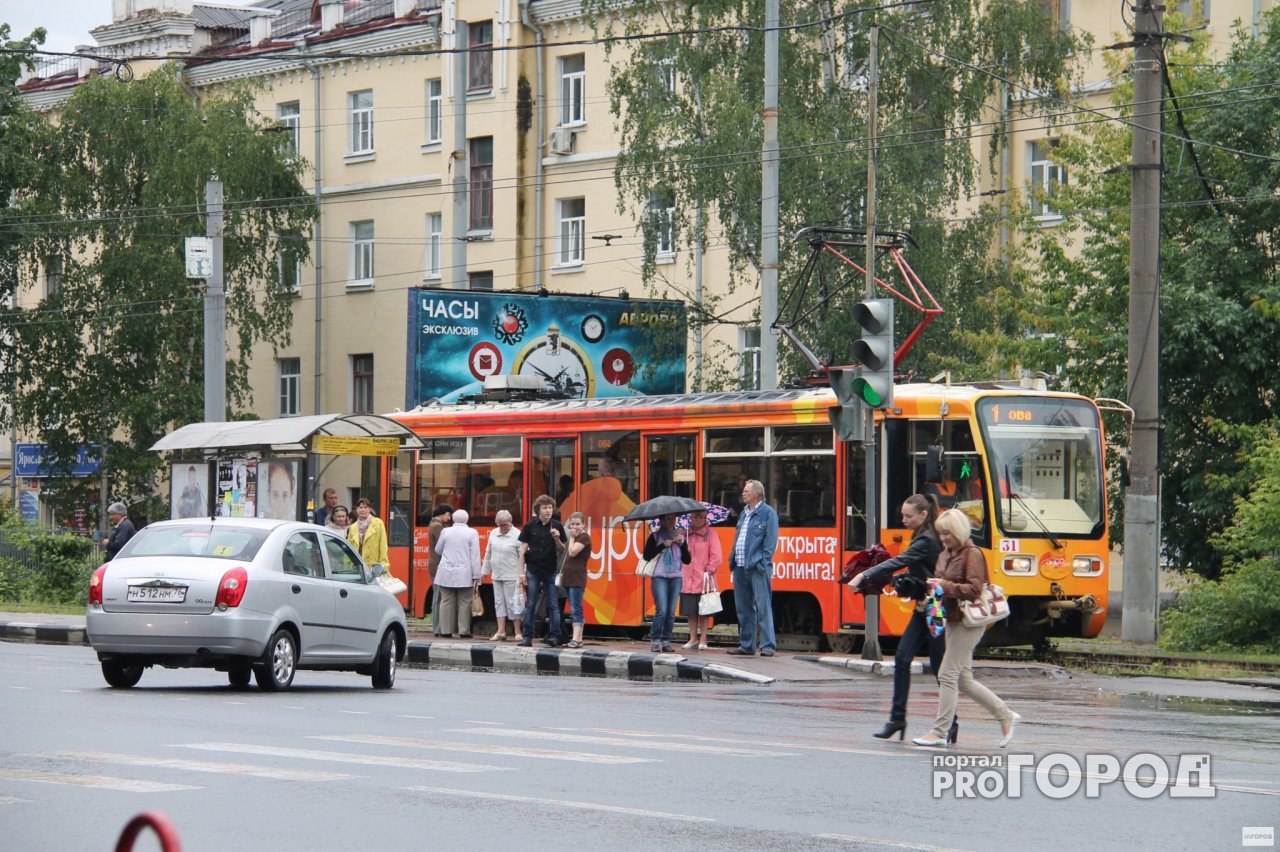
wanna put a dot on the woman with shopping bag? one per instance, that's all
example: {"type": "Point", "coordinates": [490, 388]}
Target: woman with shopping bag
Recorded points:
{"type": "Point", "coordinates": [699, 577]}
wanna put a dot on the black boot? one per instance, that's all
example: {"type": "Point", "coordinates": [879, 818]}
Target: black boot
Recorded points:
{"type": "Point", "coordinates": [891, 728]}
{"type": "Point", "coordinates": [954, 733]}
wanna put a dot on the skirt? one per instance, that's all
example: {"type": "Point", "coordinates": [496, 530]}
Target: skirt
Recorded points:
{"type": "Point", "coordinates": [689, 604]}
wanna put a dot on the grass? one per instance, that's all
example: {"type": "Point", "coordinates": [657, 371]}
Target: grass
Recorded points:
{"type": "Point", "coordinates": [1117, 646]}
{"type": "Point", "coordinates": [46, 608]}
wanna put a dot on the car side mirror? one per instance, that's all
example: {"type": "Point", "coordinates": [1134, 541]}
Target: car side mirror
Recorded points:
{"type": "Point", "coordinates": [377, 570]}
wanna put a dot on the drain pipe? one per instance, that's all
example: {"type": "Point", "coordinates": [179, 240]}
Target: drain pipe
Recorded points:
{"type": "Point", "coordinates": [318, 250]}
{"type": "Point", "coordinates": [540, 40]}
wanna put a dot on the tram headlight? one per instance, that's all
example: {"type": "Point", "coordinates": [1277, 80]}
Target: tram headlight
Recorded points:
{"type": "Point", "coordinates": [1086, 566]}
{"type": "Point", "coordinates": [1019, 565]}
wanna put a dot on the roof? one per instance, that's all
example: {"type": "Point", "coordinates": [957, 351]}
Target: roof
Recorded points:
{"type": "Point", "coordinates": [284, 434]}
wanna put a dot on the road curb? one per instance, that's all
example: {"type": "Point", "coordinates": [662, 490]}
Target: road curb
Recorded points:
{"type": "Point", "coordinates": [43, 634]}
{"type": "Point", "coordinates": [573, 662]}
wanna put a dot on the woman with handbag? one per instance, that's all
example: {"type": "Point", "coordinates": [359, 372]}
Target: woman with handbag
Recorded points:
{"type": "Point", "coordinates": [368, 536]}
{"type": "Point", "coordinates": [919, 512]}
{"type": "Point", "coordinates": [668, 545]}
{"type": "Point", "coordinates": [458, 575]}
{"type": "Point", "coordinates": [705, 558]}
{"type": "Point", "coordinates": [573, 572]}
{"type": "Point", "coordinates": [961, 575]}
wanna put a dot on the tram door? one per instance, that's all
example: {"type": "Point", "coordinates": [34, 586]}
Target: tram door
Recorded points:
{"type": "Point", "coordinates": [551, 463]}
{"type": "Point", "coordinates": [671, 466]}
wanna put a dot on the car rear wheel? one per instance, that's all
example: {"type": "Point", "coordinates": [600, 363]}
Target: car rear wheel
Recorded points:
{"type": "Point", "coordinates": [384, 667]}
{"type": "Point", "coordinates": [239, 677]}
{"type": "Point", "coordinates": [279, 662]}
{"type": "Point", "coordinates": [121, 675]}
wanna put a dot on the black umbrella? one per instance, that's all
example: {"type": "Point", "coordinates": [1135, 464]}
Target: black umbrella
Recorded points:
{"type": "Point", "coordinates": [665, 505]}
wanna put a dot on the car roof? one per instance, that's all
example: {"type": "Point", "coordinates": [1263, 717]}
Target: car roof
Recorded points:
{"type": "Point", "coordinates": [270, 524]}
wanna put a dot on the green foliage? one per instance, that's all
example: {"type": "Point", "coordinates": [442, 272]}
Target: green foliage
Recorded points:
{"type": "Point", "coordinates": [40, 567]}
{"type": "Point", "coordinates": [114, 355]}
{"type": "Point", "coordinates": [697, 147]}
{"type": "Point", "coordinates": [1220, 277]}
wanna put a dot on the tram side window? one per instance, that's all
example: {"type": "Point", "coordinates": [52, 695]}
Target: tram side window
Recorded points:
{"type": "Point", "coordinates": [730, 458]}
{"type": "Point", "coordinates": [802, 467]}
{"type": "Point", "coordinates": [441, 470]}
{"type": "Point", "coordinates": [946, 465]}
{"type": "Point", "coordinates": [497, 476]}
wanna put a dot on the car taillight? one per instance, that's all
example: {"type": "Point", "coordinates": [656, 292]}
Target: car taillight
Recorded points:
{"type": "Point", "coordinates": [231, 588]}
{"type": "Point", "coordinates": [95, 586]}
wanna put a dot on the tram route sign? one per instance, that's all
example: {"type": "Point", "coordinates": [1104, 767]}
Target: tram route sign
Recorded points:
{"type": "Point", "coordinates": [580, 346]}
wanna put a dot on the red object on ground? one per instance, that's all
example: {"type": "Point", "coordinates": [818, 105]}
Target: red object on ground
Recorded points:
{"type": "Point", "coordinates": [157, 822]}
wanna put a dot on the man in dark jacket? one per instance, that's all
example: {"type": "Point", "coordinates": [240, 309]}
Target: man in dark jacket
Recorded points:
{"type": "Point", "coordinates": [541, 542]}
{"type": "Point", "coordinates": [124, 529]}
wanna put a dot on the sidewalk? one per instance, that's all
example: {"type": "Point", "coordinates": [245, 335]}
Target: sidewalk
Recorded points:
{"type": "Point", "coordinates": [597, 658]}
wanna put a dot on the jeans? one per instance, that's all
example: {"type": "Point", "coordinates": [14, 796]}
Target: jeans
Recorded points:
{"type": "Point", "coordinates": [913, 641]}
{"type": "Point", "coordinates": [533, 583]}
{"type": "Point", "coordinates": [956, 676]}
{"type": "Point", "coordinates": [666, 591]}
{"type": "Point", "coordinates": [575, 603]}
{"type": "Point", "coordinates": [753, 596]}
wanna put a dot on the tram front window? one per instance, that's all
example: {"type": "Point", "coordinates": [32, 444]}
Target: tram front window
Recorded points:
{"type": "Point", "coordinates": [1045, 456]}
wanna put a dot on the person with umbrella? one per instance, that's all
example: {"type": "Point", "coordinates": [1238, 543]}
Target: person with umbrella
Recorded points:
{"type": "Point", "coordinates": [667, 543]}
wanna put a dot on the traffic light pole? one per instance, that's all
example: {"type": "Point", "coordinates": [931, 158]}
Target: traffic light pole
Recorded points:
{"type": "Point", "coordinates": [871, 641]}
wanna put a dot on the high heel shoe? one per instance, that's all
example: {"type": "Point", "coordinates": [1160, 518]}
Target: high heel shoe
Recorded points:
{"type": "Point", "coordinates": [954, 733]}
{"type": "Point", "coordinates": [1008, 734]}
{"type": "Point", "coordinates": [891, 728]}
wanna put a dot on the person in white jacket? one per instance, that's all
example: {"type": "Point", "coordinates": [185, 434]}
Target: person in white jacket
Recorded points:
{"type": "Point", "coordinates": [502, 564]}
{"type": "Point", "coordinates": [458, 576]}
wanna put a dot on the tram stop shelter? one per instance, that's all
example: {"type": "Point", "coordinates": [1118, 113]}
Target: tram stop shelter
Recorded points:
{"type": "Point", "coordinates": [268, 468]}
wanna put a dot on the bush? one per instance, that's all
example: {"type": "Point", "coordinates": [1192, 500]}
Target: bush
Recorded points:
{"type": "Point", "coordinates": [1241, 611]}
{"type": "Point", "coordinates": [44, 568]}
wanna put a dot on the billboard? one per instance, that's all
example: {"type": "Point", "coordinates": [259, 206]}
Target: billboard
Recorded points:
{"type": "Point", "coordinates": [583, 346]}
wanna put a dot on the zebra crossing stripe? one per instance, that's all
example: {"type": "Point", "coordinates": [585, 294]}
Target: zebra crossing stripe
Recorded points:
{"type": "Point", "coordinates": [683, 747]}
{"type": "Point", "coordinates": [12, 800]}
{"type": "Point", "coordinates": [485, 748]}
{"type": "Point", "coordinates": [76, 779]}
{"type": "Point", "coordinates": [195, 765]}
{"type": "Point", "coordinates": [344, 757]}
{"type": "Point", "coordinates": [564, 803]}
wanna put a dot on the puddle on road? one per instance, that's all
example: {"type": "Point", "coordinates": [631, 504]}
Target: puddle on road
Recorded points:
{"type": "Point", "coordinates": [1200, 705]}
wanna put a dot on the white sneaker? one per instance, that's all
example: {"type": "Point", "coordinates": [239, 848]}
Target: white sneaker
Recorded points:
{"type": "Point", "coordinates": [1013, 725]}
{"type": "Point", "coordinates": [690, 645]}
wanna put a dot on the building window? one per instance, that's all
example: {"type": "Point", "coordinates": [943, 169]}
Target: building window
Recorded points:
{"type": "Point", "coordinates": [481, 160]}
{"type": "Point", "coordinates": [480, 281]}
{"type": "Point", "coordinates": [1046, 177]}
{"type": "Point", "coordinates": [289, 271]}
{"type": "Point", "coordinates": [435, 105]}
{"type": "Point", "coordinates": [1188, 9]}
{"type": "Point", "coordinates": [749, 346]}
{"type": "Point", "coordinates": [570, 238]}
{"type": "Point", "coordinates": [362, 253]}
{"type": "Point", "coordinates": [431, 258]}
{"type": "Point", "coordinates": [53, 268]}
{"type": "Point", "coordinates": [662, 224]}
{"type": "Point", "coordinates": [573, 90]}
{"type": "Point", "coordinates": [289, 116]}
{"type": "Point", "coordinates": [289, 371]}
{"type": "Point", "coordinates": [362, 384]}
{"type": "Point", "coordinates": [667, 77]}
{"type": "Point", "coordinates": [480, 57]}
{"type": "Point", "coordinates": [360, 121]}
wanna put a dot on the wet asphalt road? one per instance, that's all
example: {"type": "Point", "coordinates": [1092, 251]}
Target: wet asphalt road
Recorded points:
{"type": "Point", "coordinates": [460, 760]}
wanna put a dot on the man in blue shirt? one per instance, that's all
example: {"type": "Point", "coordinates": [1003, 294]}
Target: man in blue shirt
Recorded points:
{"type": "Point", "coordinates": [752, 566]}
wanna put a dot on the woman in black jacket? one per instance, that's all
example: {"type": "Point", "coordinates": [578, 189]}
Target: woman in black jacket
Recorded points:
{"type": "Point", "coordinates": [919, 511]}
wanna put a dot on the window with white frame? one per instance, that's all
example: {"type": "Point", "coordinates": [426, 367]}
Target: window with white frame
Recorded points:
{"type": "Point", "coordinates": [360, 122]}
{"type": "Point", "coordinates": [570, 237]}
{"type": "Point", "coordinates": [435, 115]}
{"type": "Point", "coordinates": [749, 347]}
{"type": "Point", "coordinates": [361, 272]}
{"type": "Point", "coordinates": [431, 253]}
{"type": "Point", "coordinates": [362, 384]}
{"type": "Point", "coordinates": [289, 116]}
{"type": "Point", "coordinates": [289, 382]}
{"type": "Point", "coordinates": [573, 90]}
{"type": "Point", "coordinates": [662, 224]}
{"type": "Point", "coordinates": [667, 76]}
{"type": "Point", "coordinates": [480, 57]}
{"type": "Point", "coordinates": [1046, 176]}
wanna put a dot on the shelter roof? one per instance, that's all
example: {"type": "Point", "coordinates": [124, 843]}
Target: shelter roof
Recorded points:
{"type": "Point", "coordinates": [284, 434]}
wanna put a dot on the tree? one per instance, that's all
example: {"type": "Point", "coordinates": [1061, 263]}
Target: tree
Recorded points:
{"type": "Point", "coordinates": [113, 354]}
{"type": "Point", "coordinates": [688, 107]}
{"type": "Point", "coordinates": [1220, 278]}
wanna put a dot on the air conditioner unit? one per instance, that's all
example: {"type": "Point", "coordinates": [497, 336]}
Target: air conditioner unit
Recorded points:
{"type": "Point", "coordinates": [562, 141]}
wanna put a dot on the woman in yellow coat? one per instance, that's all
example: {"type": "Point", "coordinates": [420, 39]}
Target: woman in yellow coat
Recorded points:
{"type": "Point", "coordinates": [368, 535]}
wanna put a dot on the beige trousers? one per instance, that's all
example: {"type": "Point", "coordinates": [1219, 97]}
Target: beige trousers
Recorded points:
{"type": "Point", "coordinates": [455, 611]}
{"type": "Point", "coordinates": [956, 676]}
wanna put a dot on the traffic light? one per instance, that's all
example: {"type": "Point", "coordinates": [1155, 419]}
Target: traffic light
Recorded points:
{"type": "Point", "coordinates": [847, 417]}
{"type": "Point", "coordinates": [874, 350]}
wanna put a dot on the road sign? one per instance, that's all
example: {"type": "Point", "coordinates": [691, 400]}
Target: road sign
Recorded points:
{"type": "Point", "coordinates": [199, 257]}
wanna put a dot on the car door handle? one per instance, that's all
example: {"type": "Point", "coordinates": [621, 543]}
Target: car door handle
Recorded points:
{"type": "Point", "coordinates": [343, 592]}
{"type": "Point", "coordinates": [297, 590]}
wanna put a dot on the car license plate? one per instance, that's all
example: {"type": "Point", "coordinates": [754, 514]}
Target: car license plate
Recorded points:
{"type": "Point", "coordinates": [158, 594]}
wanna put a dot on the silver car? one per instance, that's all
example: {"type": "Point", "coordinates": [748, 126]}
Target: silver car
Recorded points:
{"type": "Point", "coordinates": [242, 595]}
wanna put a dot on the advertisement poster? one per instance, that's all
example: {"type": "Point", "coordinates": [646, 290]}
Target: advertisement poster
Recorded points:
{"type": "Point", "coordinates": [189, 489]}
{"type": "Point", "coordinates": [237, 488]}
{"type": "Point", "coordinates": [278, 489]}
{"type": "Point", "coordinates": [580, 346]}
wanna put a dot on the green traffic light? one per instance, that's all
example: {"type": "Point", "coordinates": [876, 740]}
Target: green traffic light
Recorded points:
{"type": "Point", "coordinates": [868, 392]}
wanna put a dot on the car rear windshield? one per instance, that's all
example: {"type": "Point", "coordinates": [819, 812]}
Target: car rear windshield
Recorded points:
{"type": "Point", "coordinates": [218, 542]}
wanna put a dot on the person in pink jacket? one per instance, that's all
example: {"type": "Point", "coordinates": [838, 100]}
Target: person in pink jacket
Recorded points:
{"type": "Point", "coordinates": [706, 557]}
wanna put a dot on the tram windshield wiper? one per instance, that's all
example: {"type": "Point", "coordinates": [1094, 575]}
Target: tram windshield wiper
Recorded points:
{"type": "Point", "coordinates": [1013, 495]}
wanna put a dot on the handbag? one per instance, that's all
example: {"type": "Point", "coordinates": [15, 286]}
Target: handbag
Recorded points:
{"type": "Point", "coordinates": [559, 579]}
{"type": "Point", "coordinates": [394, 585]}
{"type": "Point", "coordinates": [709, 603]}
{"type": "Point", "coordinates": [477, 605]}
{"type": "Point", "coordinates": [648, 566]}
{"type": "Point", "coordinates": [990, 607]}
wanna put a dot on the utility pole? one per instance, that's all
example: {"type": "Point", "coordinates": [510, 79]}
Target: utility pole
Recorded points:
{"type": "Point", "coordinates": [215, 311]}
{"type": "Point", "coordinates": [1142, 503]}
{"type": "Point", "coordinates": [769, 203]}
{"type": "Point", "coordinates": [871, 642]}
